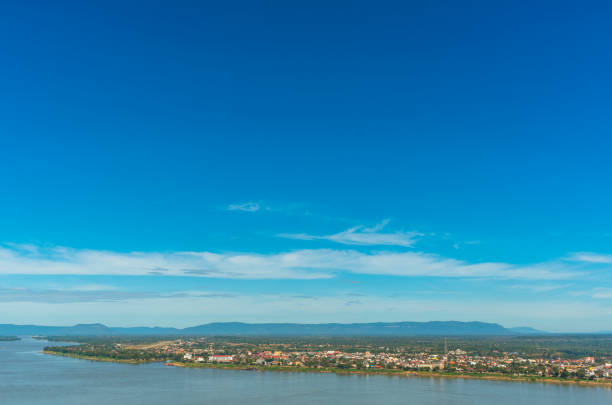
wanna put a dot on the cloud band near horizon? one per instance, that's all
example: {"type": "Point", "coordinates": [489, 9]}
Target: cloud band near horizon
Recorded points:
{"type": "Point", "coordinates": [294, 264]}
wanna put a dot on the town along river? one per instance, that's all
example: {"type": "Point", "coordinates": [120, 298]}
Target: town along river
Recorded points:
{"type": "Point", "coordinates": [28, 377]}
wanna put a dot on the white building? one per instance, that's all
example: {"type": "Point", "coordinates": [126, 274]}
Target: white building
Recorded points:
{"type": "Point", "coordinates": [221, 358]}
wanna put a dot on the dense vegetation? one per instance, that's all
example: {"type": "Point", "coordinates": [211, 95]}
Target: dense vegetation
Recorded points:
{"type": "Point", "coordinates": [547, 347]}
{"type": "Point", "coordinates": [111, 352]}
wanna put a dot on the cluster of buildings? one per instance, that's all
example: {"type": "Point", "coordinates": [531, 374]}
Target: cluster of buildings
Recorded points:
{"type": "Point", "coordinates": [452, 361]}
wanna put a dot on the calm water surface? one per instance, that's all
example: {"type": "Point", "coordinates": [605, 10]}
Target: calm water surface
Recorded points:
{"type": "Point", "coordinates": [30, 377]}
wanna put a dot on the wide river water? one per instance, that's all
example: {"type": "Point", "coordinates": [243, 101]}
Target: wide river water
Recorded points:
{"type": "Point", "coordinates": [29, 377]}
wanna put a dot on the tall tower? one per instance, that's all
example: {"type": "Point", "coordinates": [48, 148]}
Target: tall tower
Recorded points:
{"type": "Point", "coordinates": [445, 346]}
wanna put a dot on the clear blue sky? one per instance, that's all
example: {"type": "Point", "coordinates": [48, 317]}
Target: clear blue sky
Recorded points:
{"type": "Point", "coordinates": [175, 163]}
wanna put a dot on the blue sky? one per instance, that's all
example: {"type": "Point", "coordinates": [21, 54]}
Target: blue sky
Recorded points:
{"type": "Point", "coordinates": [182, 162]}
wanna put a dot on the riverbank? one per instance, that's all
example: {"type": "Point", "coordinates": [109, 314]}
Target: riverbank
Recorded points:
{"type": "Point", "coordinates": [402, 373]}
{"type": "Point", "coordinates": [387, 372]}
{"type": "Point", "coordinates": [95, 358]}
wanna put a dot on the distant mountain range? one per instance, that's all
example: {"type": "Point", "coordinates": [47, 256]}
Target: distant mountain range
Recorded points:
{"type": "Point", "coordinates": [449, 328]}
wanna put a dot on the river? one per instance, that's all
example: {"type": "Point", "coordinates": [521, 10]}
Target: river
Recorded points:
{"type": "Point", "coordinates": [28, 377]}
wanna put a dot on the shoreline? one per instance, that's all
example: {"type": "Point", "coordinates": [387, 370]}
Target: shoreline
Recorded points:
{"type": "Point", "coordinates": [397, 373]}
{"type": "Point", "coordinates": [95, 358]}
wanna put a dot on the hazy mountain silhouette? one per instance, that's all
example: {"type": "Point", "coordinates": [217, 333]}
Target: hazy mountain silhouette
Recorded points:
{"type": "Point", "coordinates": [447, 328]}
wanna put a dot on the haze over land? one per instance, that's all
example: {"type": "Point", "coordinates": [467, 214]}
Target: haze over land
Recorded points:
{"type": "Point", "coordinates": [278, 329]}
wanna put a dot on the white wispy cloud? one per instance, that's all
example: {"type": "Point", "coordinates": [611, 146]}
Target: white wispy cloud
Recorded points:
{"type": "Point", "coordinates": [539, 288]}
{"type": "Point", "coordinates": [457, 245]}
{"type": "Point", "coordinates": [85, 294]}
{"type": "Point", "coordinates": [360, 235]}
{"type": "Point", "coordinates": [297, 264]}
{"type": "Point", "coordinates": [602, 292]}
{"type": "Point", "coordinates": [68, 295]}
{"type": "Point", "coordinates": [589, 257]}
{"type": "Point", "coordinates": [249, 206]}
{"type": "Point", "coordinates": [597, 292]}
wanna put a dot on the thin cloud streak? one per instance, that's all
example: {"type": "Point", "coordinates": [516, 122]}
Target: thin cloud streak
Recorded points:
{"type": "Point", "coordinates": [249, 206]}
{"type": "Point", "coordinates": [81, 294]}
{"type": "Point", "coordinates": [67, 296]}
{"type": "Point", "coordinates": [360, 235]}
{"type": "Point", "coordinates": [539, 288]}
{"type": "Point", "coordinates": [588, 257]}
{"type": "Point", "coordinates": [602, 293]}
{"type": "Point", "coordinates": [298, 264]}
